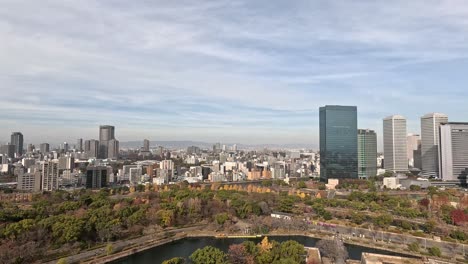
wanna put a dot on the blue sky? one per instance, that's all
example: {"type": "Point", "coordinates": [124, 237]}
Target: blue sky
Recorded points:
{"type": "Point", "coordinates": [229, 71]}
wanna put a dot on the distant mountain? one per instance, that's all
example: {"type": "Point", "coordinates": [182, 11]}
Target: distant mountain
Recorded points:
{"type": "Point", "coordinates": [206, 145]}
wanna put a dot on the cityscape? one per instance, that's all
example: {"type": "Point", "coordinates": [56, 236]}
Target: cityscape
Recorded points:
{"type": "Point", "coordinates": [233, 132]}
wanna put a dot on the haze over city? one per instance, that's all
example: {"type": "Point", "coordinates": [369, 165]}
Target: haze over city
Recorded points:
{"type": "Point", "coordinates": [243, 72]}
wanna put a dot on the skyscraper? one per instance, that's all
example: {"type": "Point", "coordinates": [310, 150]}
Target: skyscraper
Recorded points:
{"type": "Point", "coordinates": [79, 145]}
{"type": "Point", "coordinates": [8, 150]}
{"type": "Point", "coordinates": [338, 142]}
{"type": "Point", "coordinates": [395, 146]}
{"type": "Point", "coordinates": [146, 145]}
{"type": "Point", "coordinates": [91, 148]}
{"type": "Point", "coordinates": [413, 142]}
{"type": "Point", "coordinates": [113, 149]}
{"type": "Point", "coordinates": [106, 133]}
{"type": "Point", "coordinates": [17, 140]}
{"type": "Point", "coordinates": [367, 153]}
{"type": "Point", "coordinates": [44, 148]}
{"type": "Point", "coordinates": [430, 143]}
{"type": "Point", "coordinates": [50, 175]}
{"type": "Point", "coordinates": [453, 154]}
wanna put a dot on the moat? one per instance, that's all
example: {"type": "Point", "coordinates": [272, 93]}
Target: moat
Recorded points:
{"type": "Point", "coordinates": [185, 247]}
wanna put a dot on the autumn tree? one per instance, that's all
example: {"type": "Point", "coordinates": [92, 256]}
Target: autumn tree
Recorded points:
{"type": "Point", "coordinates": [208, 255]}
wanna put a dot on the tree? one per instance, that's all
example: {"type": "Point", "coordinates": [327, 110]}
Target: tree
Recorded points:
{"type": "Point", "coordinates": [237, 254]}
{"type": "Point", "coordinates": [458, 216]}
{"type": "Point", "coordinates": [109, 249]}
{"type": "Point", "coordinates": [62, 261]}
{"type": "Point", "coordinates": [322, 187]}
{"type": "Point", "coordinates": [415, 188]}
{"type": "Point", "coordinates": [221, 218]}
{"type": "Point", "coordinates": [459, 235]}
{"type": "Point", "coordinates": [358, 218]}
{"type": "Point", "coordinates": [208, 255]}
{"type": "Point", "coordinates": [414, 247]}
{"type": "Point", "coordinates": [429, 226]}
{"type": "Point", "coordinates": [174, 261]}
{"type": "Point", "coordinates": [383, 220]}
{"type": "Point", "coordinates": [265, 245]}
{"type": "Point", "coordinates": [333, 249]}
{"type": "Point", "coordinates": [434, 251]}
{"type": "Point", "coordinates": [292, 250]}
{"type": "Point", "coordinates": [424, 203]}
{"type": "Point", "coordinates": [301, 185]}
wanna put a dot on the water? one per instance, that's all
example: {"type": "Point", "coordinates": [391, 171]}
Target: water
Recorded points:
{"type": "Point", "coordinates": [185, 247]}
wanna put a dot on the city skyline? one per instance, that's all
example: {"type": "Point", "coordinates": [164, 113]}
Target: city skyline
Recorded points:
{"type": "Point", "coordinates": [226, 72]}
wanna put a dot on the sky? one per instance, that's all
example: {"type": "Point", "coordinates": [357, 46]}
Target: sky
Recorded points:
{"type": "Point", "coordinates": [252, 72]}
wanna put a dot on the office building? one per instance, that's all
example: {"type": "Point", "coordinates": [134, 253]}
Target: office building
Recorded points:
{"type": "Point", "coordinates": [338, 142]}
{"type": "Point", "coordinates": [430, 143]}
{"type": "Point", "coordinates": [50, 175]}
{"type": "Point", "coordinates": [367, 153]}
{"type": "Point", "coordinates": [106, 133]}
{"type": "Point", "coordinates": [29, 181]}
{"type": "Point", "coordinates": [17, 141]}
{"type": "Point", "coordinates": [91, 148]}
{"type": "Point", "coordinates": [413, 143]}
{"type": "Point", "coordinates": [453, 155]}
{"type": "Point", "coordinates": [66, 163]}
{"type": "Point", "coordinates": [96, 177]}
{"type": "Point", "coordinates": [66, 147]}
{"type": "Point", "coordinates": [79, 145]}
{"type": "Point", "coordinates": [146, 145]}
{"type": "Point", "coordinates": [113, 149]}
{"type": "Point", "coordinates": [395, 145]}
{"type": "Point", "coordinates": [44, 148]}
{"type": "Point", "coordinates": [8, 150]}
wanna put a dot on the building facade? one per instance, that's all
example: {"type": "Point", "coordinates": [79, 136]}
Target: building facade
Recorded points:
{"type": "Point", "coordinates": [96, 177]}
{"type": "Point", "coordinates": [44, 148]}
{"type": "Point", "coordinates": [413, 142]}
{"type": "Point", "coordinates": [367, 153]}
{"type": "Point", "coordinates": [50, 175]}
{"type": "Point", "coordinates": [338, 142]}
{"type": "Point", "coordinates": [395, 145]}
{"type": "Point", "coordinates": [106, 133]}
{"type": "Point", "coordinates": [17, 141]}
{"type": "Point", "coordinates": [430, 143]}
{"type": "Point", "coordinates": [453, 155]}
{"type": "Point", "coordinates": [91, 148]}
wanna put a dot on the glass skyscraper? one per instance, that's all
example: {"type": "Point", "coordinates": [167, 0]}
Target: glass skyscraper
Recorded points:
{"type": "Point", "coordinates": [367, 153]}
{"type": "Point", "coordinates": [338, 142]}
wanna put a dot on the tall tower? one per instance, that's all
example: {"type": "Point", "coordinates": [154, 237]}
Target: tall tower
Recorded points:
{"type": "Point", "coordinates": [79, 145]}
{"type": "Point", "coordinates": [453, 155]}
{"type": "Point", "coordinates": [367, 153]}
{"type": "Point", "coordinates": [146, 144]}
{"type": "Point", "coordinates": [395, 146]}
{"type": "Point", "coordinates": [413, 142]}
{"type": "Point", "coordinates": [106, 133]}
{"type": "Point", "coordinates": [430, 143]}
{"type": "Point", "coordinates": [17, 140]}
{"type": "Point", "coordinates": [338, 142]}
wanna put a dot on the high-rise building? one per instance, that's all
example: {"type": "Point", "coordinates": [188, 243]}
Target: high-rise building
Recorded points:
{"type": "Point", "coordinates": [113, 149]}
{"type": "Point", "coordinates": [17, 140]}
{"type": "Point", "coordinates": [146, 145]}
{"type": "Point", "coordinates": [50, 175]}
{"type": "Point", "coordinates": [96, 177]}
{"type": "Point", "coordinates": [79, 145]}
{"type": "Point", "coordinates": [413, 143]}
{"type": "Point", "coordinates": [8, 149]}
{"type": "Point", "coordinates": [29, 181]}
{"type": "Point", "coordinates": [453, 154]}
{"type": "Point", "coordinates": [395, 146]}
{"type": "Point", "coordinates": [91, 148]}
{"type": "Point", "coordinates": [367, 153]}
{"type": "Point", "coordinates": [338, 142]}
{"type": "Point", "coordinates": [44, 148]}
{"type": "Point", "coordinates": [66, 147]}
{"type": "Point", "coordinates": [430, 143]}
{"type": "Point", "coordinates": [106, 133]}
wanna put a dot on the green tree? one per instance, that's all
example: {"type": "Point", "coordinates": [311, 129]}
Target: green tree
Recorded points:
{"type": "Point", "coordinates": [383, 220]}
{"type": "Point", "coordinates": [434, 251]}
{"type": "Point", "coordinates": [221, 218]}
{"type": "Point", "coordinates": [358, 218]}
{"type": "Point", "coordinates": [414, 247]}
{"type": "Point", "coordinates": [415, 188]}
{"type": "Point", "coordinates": [109, 249]}
{"type": "Point", "coordinates": [174, 261]}
{"type": "Point", "coordinates": [208, 255]}
{"type": "Point", "coordinates": [301, 185]}
{"type": "Point", "coordinates": [67, 229]}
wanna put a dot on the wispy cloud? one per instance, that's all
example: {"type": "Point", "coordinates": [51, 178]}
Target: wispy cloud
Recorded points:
{"type": "Point", "coordinates": [252, 71]}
